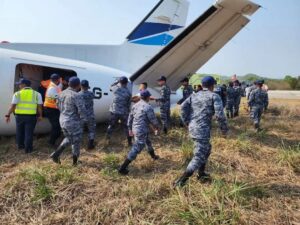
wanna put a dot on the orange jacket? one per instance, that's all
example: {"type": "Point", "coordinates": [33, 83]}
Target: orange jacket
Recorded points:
{"type": "Point", "coordinates": [51, 96]}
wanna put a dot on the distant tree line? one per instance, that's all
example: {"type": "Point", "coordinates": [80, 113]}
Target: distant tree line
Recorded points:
{"type": "Point", "coordinates": [288, 83]}
{"type": "Point", "coordinates": [294, 82]}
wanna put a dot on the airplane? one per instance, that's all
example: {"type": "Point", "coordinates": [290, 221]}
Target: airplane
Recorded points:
{"type": "Point", "coordinates": [159, 45]}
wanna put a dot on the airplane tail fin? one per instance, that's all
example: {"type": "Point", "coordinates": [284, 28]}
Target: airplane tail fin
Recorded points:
{"type": "Point", "coordinates": [165, 21]}
{"type": "Point", "coordinates": [163, 24]}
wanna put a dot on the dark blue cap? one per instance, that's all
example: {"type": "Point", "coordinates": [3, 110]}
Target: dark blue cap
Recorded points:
{"type": "Point", "coordinates": [259, 82]}
{"type": "Point", "coordinates": [55, 77]}
{"type": "Point", "coordinates": [162, 78]}
{"type": "Point", "coordinates": [123, 80]}
{"type": "Point", "coordinates": [24, 81]}
{"type": "Point", "coordinates": [208, 81]}
{"type": "Point", "coordinates": [74, 81]}
{"type": "Point", "coordinates": [85, 83]}
{"type": "Point", "coordinates": [185, 80]}
{"type": "Point", "coordinates": [145, 93]}
{"type": "Point", "coordinates": [66, 78]}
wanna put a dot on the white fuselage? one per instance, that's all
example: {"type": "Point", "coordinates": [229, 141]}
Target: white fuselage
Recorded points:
{"type": "Point", "coordinates": [34, 66]}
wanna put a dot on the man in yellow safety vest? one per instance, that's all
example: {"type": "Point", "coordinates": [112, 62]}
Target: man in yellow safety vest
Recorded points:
{"type": "Point", "coordinates": [27, 107]}
{"type": "Point", "coordinates": [50, 107]}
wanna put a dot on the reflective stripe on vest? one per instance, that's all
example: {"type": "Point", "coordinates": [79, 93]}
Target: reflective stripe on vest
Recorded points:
{"type": "Point", "coordinates": [50, 102]}
{"type": "Point", "coordinates": [27, 102]}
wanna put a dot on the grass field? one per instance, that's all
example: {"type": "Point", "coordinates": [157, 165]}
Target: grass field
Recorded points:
{"type": "Point", "coordinates": [255, 179]}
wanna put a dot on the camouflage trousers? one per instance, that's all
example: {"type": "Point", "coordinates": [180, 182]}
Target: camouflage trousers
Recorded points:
{"type": "Point", "coordinates": [202, 150]}
{"type": "Point", "coordinates": [140, 142]}
{"type": "Point", "coordinates": [229, 108]}
{"type": "Point", "coordinates": [255, 114]}
{"type": "Point", "coordinates": [114, 119]}
{"type": "Point", "coordinates": [165, 115]}
{"type": "Point", "coordinates": [236, 107]}
{"type": "Point", "coordinates": [91, 127]}
{"type": "Point", "coordinates": [73, 137]}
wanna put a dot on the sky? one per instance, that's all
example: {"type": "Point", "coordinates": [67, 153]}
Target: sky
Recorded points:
{"type": "Point", "coordinates": [268, 46]}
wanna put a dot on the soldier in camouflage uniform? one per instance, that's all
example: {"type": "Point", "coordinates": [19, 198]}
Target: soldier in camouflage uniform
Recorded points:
{"type": "Point", "coordinates": [72, 111]}
{"type": "Point", "coordinates": [221, 91]}
{"type": "Point", "coordinates": [197, 112]}
{"type": "Point", "coordinates": [186, 91]}
{"type": "Point", "coordinates": [231, 93]}
{"type": "Point", "coordinates": [120, 108]}
{"type": "Point", "coordinates": [251, 88]}
{"type": "Point", "coordinates": [137, 97]}
{"type": "Point", "coordinates": [237, 101]}
{"type": "Point", "coordinates": [141, 116]}
{"type": "Point", "coordinates": [88, 98]}
{"type": "Point", "coordinates": [258, 101]}
{"type": "Point", "coordinates": [165, 103]}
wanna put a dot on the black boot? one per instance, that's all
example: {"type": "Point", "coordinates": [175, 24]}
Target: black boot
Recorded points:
{"type": "Point", "coordinates": [228, 116]}
{"type": "Point", "coordinates": [257, 127]}
{"type": "Point", "coordinates": [55, 158]}
{"type": "Point", "coordinates": [28, 151]}
{"type": "Point", "coordinates": [107, 139]}
{"type": "Point", "coordinates": [165, 129]}
{"type": "Point", "coordinates": [123, 169]}
{"type": "Point", "coordinates": [183, 179]}
{"type": "Point", "coordinates": [181, 124]}
{"type": "Point", "coordinates": [153, 155]}
{"type": "Point", "coordinates": [202, 176]}
{"type": "Point", "coordinates": [129, 141]}
{"type": "Point", "coordinates": [55, 155]}
{"type": "Point", "coordinates": [91, 144]}
{"type": "Point", "coordinates": [75, 160]}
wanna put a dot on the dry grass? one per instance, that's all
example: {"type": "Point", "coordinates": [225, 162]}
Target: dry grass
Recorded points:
{"type": "Point", "coordinates": [255, 179]}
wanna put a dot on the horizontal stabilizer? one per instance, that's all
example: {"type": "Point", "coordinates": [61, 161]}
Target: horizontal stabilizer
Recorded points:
{"type": "Point", "coordinates": [197, 43]}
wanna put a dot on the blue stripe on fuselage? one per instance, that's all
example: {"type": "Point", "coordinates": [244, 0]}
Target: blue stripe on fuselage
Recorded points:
{"type": "Point", "coordinates": [148, 29]}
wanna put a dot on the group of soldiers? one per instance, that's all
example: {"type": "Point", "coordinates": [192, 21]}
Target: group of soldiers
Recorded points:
{"type": "Point", "coordinates": [234, 93]}
{"type": "Point", "coordinates": [76, 106]}
{"type": "Point", "coordinates": [257, 100]}
{"type": "Point", "coordinates": [76, 111]}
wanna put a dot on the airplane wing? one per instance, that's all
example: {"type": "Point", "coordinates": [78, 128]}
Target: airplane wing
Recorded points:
{"type": "Point", "coordinates": [197, 43]}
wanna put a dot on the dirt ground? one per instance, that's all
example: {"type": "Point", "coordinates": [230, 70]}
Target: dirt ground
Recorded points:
{"type": "Point", "coordinates": [255, 178]}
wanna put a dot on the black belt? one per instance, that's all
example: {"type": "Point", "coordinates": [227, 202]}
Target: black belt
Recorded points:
{"type": "Point", "coordinates": [26, 115]}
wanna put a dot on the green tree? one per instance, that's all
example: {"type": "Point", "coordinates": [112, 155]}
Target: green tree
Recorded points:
{"type": "Point", "coordinates": [292, 81]}
{"type": "Point", "coordinates": [298, 85]}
